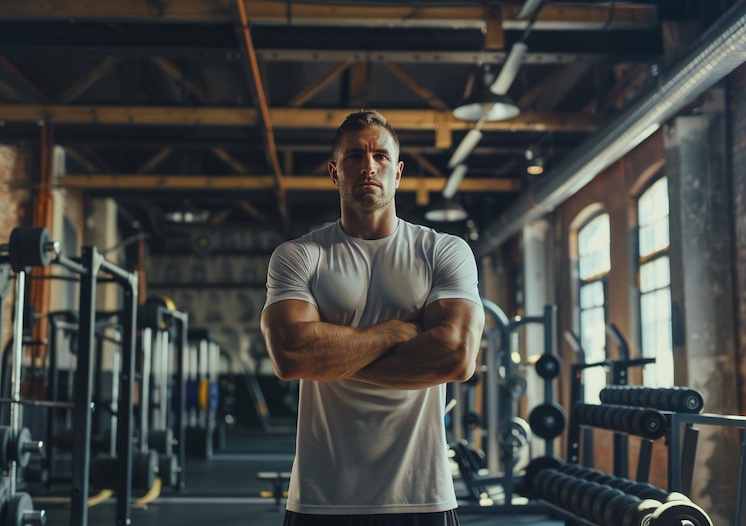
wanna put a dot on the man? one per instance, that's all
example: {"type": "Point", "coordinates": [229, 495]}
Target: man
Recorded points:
{"type": "Point", "coordinates": [374, 315]}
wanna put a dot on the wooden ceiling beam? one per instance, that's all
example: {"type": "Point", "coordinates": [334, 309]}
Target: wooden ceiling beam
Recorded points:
{"type": "Point", "coordinates": [312, 89]}
{"type": "Point", "coordinates": [287, 118]}
{"type": "Point", "coordinates": [568, 16]}
{"type": "Point", "coordinates": [87, 80]}
{"type": "Point", "coordinates": [102, 181]}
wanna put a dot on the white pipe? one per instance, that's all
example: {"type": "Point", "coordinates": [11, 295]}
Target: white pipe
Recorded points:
{"type": "Point", "coordinates": [454, 181]}
{"type": "Point", "coordinates": [463, 150]}
{"type": "Point", "coordinates": [510, 69]}
{"type": "Point", "coordinates": [528, 8]}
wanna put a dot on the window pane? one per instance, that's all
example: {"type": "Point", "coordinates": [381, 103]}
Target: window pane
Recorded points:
{"type": "Point", "coordinates": [594, 261]}
{"type": "Point", "coordinates": [652, 213]}
{"type": "Point", "coordinates": [593, 248]}
{"type": "Point", "coordinates": [593, 338]}
{"type": "Point", "coordinates": [655, 285]}
{"type": "Point", "coordinates": [655, 274]}
{"type": "Point", "coordinates": [591, 295]}
{"type": "Point", "coordinates": [655, 310]}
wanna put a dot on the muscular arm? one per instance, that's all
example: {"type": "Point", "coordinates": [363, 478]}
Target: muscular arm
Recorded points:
{"type": "Point", "coordinates": [302, 346]}
{"type": "Point", "coordinates": [445, 351]}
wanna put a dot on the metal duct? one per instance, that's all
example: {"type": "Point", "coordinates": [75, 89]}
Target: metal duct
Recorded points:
{"type": "Point", "coordinates": [720, 50]}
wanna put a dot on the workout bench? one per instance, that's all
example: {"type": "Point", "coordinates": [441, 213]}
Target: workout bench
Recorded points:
{"type": "Point", "coordinates": [279, 480]}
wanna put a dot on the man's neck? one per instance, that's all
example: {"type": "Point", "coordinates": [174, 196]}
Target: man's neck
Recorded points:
{"type": "Point", "coordinates": [372, 225]}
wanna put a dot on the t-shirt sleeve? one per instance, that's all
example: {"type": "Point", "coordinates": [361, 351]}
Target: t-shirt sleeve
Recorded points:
{"type": "Point", "coordinates": [455, 272]}
{"type": "Point", "coordinates": [289, 274]}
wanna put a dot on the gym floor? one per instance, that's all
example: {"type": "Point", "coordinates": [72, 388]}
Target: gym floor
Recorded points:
{"type": "Point", "coordinates": [224, 490]}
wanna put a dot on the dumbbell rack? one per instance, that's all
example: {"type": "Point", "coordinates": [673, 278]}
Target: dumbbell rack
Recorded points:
{"type": "Point", "coordinates": [619, 377]}
{"type": "Point", "coordinates": [681, 453]}
{"type": "Point", "coordinates": [669, 412]}
{"type": "Point", "coordinates": [586, 496]}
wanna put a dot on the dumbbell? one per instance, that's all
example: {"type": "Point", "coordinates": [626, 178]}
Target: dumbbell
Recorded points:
{"type": "Point", "coordinates": [533, 469]}
{"type": "Point", "coordinates": [646, 490]}
{"type": "Point", "coordinates": [679, 512]}
{"type": "Point", "coordinates": [19, 510]}
{"type": "Point", "coordinates": [678, 399]}
{"type": "Point", "coordinates": [17, 446]}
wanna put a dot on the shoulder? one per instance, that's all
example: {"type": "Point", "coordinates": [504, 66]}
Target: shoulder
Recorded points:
{"type": "Point", "coordinates": [437, 240]}
{"type": "Point", "coordinates": [308, 245]}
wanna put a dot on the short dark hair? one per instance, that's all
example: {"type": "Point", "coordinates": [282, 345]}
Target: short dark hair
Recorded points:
{"type": "Point", "coordinates": [358, 121]}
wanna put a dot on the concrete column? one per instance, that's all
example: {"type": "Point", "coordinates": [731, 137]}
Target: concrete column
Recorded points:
{"type": "Point", "coordinates": [702, 291]}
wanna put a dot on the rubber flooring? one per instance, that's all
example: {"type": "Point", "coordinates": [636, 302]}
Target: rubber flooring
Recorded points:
{"type": "Point", "coordinates": [224, 491]}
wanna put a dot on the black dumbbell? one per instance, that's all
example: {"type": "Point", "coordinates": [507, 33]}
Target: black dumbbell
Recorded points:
{"type": "Point", "coordinates": [639, 515]}
{"type": "Point", "coordinates": [600, 503]}
{"type": "Point", "coordinates": [576, 498]}
{"type": "Point", "coordinates": [587, 500]}
{"type": "Point", "coordinates": [678, 512]}
{"type": "Point", "coordinates": [614, 512]}
{"type": "Point", "coordinates": [565, 494]}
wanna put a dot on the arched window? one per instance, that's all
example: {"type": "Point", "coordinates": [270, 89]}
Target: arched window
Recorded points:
{"type": "Point", "coordinates": [655, 283]}
{"type": "Point", "coordinates": [594, 263]}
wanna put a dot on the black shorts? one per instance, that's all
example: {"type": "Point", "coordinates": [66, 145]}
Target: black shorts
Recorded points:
{"type": "Point", "coordinates": [442, 518]}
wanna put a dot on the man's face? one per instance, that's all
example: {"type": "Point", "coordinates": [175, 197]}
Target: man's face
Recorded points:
{"type": "Point", "coordinates": [367, 169]}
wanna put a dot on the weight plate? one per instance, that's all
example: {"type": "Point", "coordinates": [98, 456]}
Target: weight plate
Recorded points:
{"type": "Point", "coordinates": [168, 470]}
{"type": "Point", "coordinates": [27, 248]}
{"type": "Point", "coordinates": [19, 505]}
{"type": "Point", "coordinates": [144, 470]}
{"type": "Point", "coordinates": [6, 438]}
{"type": "Point", "coordinates": [21, 457]}
{"type": "Point", "coordinates": [548, 366]}
{"type": "Point", "coordinates": [547, 420]}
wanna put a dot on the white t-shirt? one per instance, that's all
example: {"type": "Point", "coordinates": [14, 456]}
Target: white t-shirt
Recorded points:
{"type": "Point", "coordinates": [364, 449]}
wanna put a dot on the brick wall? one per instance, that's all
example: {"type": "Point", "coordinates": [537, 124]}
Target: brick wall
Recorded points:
{"type": "Point", "coordinates": [14, 199]}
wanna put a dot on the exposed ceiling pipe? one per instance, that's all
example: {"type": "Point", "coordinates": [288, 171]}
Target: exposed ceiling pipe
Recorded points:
{"type": "Point", "coordinates": [720, 50]}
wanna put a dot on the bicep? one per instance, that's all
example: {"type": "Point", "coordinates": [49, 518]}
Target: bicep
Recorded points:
{"type": "Point", "coordinates": [464, 317]}
{"type": "Point", "coordinates": [278, 318]}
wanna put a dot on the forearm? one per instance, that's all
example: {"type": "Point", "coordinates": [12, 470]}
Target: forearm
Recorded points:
{"type": "Point", "coordinates": [316, 350]}
{"type": "Point", "coordinates": [431, 358]}
{"type": "Point", "coordinates": [446, 351]}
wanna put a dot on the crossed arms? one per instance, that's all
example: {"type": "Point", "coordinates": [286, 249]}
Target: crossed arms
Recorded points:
{"type": "Point", "coordinates": [394, 354]}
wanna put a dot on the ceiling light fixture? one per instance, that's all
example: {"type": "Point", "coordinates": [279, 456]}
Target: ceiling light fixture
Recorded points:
{"type": "Point", "coordinates": [534, 162]}
{"type": "Point", "coordinates": [446, 212]}
{"type": "Point", "coordinates": [488, 100]}
{"type": "Point", "coordinates": [486, 106]}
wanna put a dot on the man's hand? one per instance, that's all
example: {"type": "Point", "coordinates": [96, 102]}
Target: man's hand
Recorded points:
{"type": "Point", "coordinates": [445, 351]}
